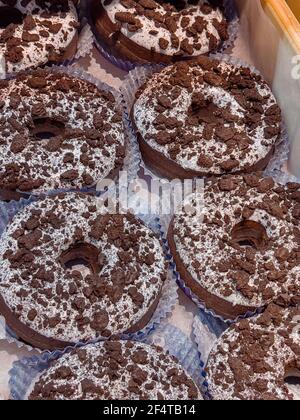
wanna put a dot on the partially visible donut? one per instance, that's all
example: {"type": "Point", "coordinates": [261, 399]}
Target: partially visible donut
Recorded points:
{"type": "Point", "coordinates": [57, 132]}
{"type": "Point", "coordinates": [241, 251]}
{"type": "Point", "coordinates": [50, 305]}
{"type": "Point", "coordinates": [115, 370]}
{"type": "Point", "coordinates": [206, 117]}
{"type": "Point", "coordinates": [251, 360]}
{"type": "Point", "coordinates": [159, 31]}
{"type": "Point", "coordinates": [33, 33]}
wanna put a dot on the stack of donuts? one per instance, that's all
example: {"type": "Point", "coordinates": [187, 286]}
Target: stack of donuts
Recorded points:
{"type": "Point", "coordinates": [195, 116]}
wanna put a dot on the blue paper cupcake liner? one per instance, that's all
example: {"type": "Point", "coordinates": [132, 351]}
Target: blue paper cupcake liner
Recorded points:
{"type": "Point", "coordinates": [165, 305]}
{"type": "Point", "coordinates": [206, 330]}
{"type": "Point", "coordinates": [126, 65]}
{"type": "Point", "coordinates": [25, 371]}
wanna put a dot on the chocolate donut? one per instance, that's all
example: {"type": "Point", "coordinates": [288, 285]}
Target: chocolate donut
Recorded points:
{"type": "Point", "coordinates": [57, 132]}
{"type": "Point", "coordinates": [252, 359]}
{"type": "Point", "coordinates": [115, 370]}
{"type": "Point", "coordinates": [35, 32]}
{"type": "Point", "coordinates": [206, 117]}
{"type": "Point", "coordinates": [159, 31]}
{"type": "Point", "coordinates": [48, 304]}
{"type": "Point", "coordinates": [244, 251]}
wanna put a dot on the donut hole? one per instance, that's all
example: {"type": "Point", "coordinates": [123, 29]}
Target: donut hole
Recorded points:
{"type": "Point", "coordinates": [292, 381]}
{"type": "Point", "coordinates": [82, 256]}
{"type": "Point", "coordinates": [47, 128]}
{"type": "Point", "coordinates": [249, 233]}
{"type": "Point", "coordinates": [10, 15]}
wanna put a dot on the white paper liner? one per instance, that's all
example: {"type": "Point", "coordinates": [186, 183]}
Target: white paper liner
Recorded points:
{"type": "Point", "coordinates": [230, 13]}
{"type": "Point", "coordinates": [135, 79]}
{"type": "Point", "coordinates": [25, 371]}
{"type": "Point", "coordinates": [184, 349]}
{"type": "Point", "coordinates": [277, 167]}
{"type": "Point", "coordinates": [2, 67]}
{"type": "Point", "coordinates": [206, 331]}
{"type": "Point", "coordinates": [84, 47]}
{"type": "Point", "coordinates": [86, 37]}
{"type": "Point", "coordinates": [167, 301]}
{"type": "Point", "coordinates": [131, 160]}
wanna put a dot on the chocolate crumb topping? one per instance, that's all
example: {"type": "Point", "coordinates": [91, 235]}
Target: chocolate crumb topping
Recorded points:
{"type": "Point", "coordinates": [34, 32]}
{"type": "Point", "coordinates": [208, 116]}
{"type": "Point", "coordinates": [46, 294]}
{"type": "Point", "coordinates": [57, 132]}
{"type": "Point", "coordinates": [246, 248]}
{"type": "Point", "coordinates": [175, 28]}
{"type": "Point", "coordinates": [251, 360]}
{"type": "Point", "coordinates": [112, 371]}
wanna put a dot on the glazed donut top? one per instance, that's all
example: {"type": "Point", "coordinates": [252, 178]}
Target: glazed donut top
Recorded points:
{"type": "Point", "coordinates": [125, 257]}
{"type": "Point", "coordinates": [116, 370]}
{"type": "Point", "coordinates": [208, 116]}
{"type": "Point", "coordinates": [246, 246]}
{"type": "Point", "coordinates": [42, 31]}
{"type": "Point", "coordinates": [174, 28]}
{"type": "Point", "coordinates": [251, 360]}
{"type": "Point", "coordinates": [86, 141]}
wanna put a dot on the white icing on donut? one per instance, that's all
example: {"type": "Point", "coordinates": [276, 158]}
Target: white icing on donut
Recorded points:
{"type": "Point", "coordinates": [2, 66]}
{"type": "Point", "coordinates": [259, 376]}
{"type": "Point", "coordinates": [63, 222]}
{"type": "Point", "coordinates": [146, 40]}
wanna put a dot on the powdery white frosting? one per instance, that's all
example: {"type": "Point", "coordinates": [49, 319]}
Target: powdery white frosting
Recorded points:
{"type": "Point", "coordinates": [77, 104]}
{"type": "Point", "coordinates": [77, 214]}
{"type": "Point", "coordinates": [146, 40]}
{"type": "Point", "coordinates": [203, 242]}
{"type": "Point", "coordinates": [145, 114]}
{"type": "Point", "coordinates": [92, 367]}
{"type": "Point", "coordinates": [2, 67]}
{"type": "Point", "coordinates": [36, 53]}
{"type": "Point", "coordinates": [234, 351]}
